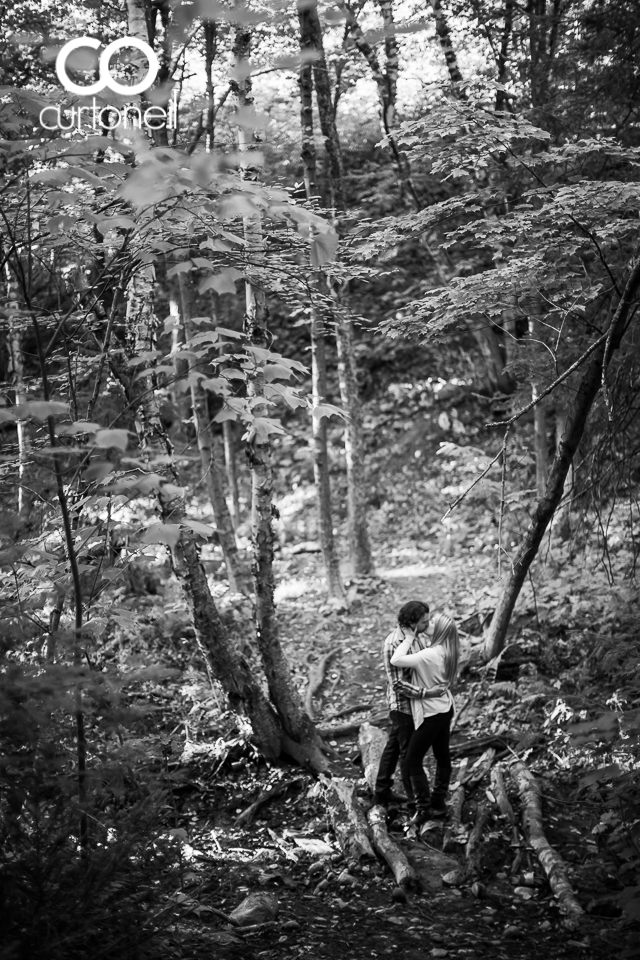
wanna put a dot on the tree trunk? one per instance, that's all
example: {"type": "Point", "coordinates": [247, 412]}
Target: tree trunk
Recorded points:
{"type": "Point", "coordinates": [360, 551]}
{"type": "Point", "coordinates": [321, 461]}
{"type": "Point", "coordinates": [446, 44]}
{"type": "Point", "coordinates": [359, 545]}
{"type": "Point", "coordinates": [576, 420]}
{"type": "Point", "coordinates": [539, 413]}
{"type": "Point", "coordinates": [296, 723]}
{"type": "Point", "coordinates": [227, 666]}
{"type": "Point", "coordinates": [562, 519]}
{"type": "Point", "coordinates": [493, 361]}
{"type": "Point", "coordinates": [15, 376]}
{"type": "Point", "coordinates": [309, 39]}
{"type": "Point", "coordinates": [212, 459]}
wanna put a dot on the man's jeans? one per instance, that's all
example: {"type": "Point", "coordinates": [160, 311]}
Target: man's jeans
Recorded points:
{"type": "Point", "coordinates": [395, 749]}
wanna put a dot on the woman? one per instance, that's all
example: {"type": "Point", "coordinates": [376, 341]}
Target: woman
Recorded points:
{"type": "Point", "coordinates": [434, 667]}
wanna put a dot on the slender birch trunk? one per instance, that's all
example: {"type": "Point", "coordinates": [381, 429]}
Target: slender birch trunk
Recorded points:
{"type": "Point", "coordinates": [360, 550]}
{"type": "Point", "coordinates": [301, 732]}
{"type": "Point", "coordinates": [443, 34]}
{"type": "Point", "coordinates": [309, 39]}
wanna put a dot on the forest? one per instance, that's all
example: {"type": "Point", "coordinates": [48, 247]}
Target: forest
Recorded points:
{"type": "Point", "coordinates": [309, 310]}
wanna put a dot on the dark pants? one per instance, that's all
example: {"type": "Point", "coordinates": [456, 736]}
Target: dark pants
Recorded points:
{"type": "Point", "coordinates": [395, 748]}
{"type": "Point", "coordinates": [433, 732]}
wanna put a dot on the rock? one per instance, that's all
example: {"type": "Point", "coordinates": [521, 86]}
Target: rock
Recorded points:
{"type": "Point", "coordinates": [398, 895]}
{"type": "Point", "coordinates": [454, 878]}
{"type": "Point", "coordinates": [315, 868]}
{"type": "Point", "coordinates": [291, 925]}
{"type": "Point", "coordinates": [511, 932]}
{"type": "Point", "coordinates": [525, 893]}
{"type": "Point", "coordinates": [322, 886]}
{"type": "Point", "coordinates": [346, 880]}
{"type": "Point", "coordinates": [439, 952]}
{"type": "Point", "coordinates": [478, 890]}
{"type": "Point", "coordinates": [545, 925]}
{"type": "Point", "coordinates": [256, 908]}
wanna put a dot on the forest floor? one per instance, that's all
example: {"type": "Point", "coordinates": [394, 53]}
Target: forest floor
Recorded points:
{"type": "Point", "coordinates": [329, 907]}
{"type": "Point", "coordinates": [559, 701]}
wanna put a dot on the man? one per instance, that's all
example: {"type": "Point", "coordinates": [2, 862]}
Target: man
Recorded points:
{"type": "Point", "coordinates": [413, 620]}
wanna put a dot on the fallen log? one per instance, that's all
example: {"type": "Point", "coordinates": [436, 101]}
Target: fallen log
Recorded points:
{"type": "Point", "coordinates": [344, 729]}
{"type": "Point", "coordinates": [390, 851]}
{"type": "Point", "coordinates": [479, 769]}
{"type": "Point", "coordinates": [470, 747]}
{"type": "Point", "coordinates": [317, 672]}
{"type": "Point", "coordinates": [454, 832]}
{"type": "Point", "coordinates": [473, 849]}
{"type": "Point", "coordinates": [347, 819]}
{"type": "Point", "coordinates": [371, 741]}
{"type": "Point", "coordinates": [505, 808]}
{"type": "Point", "coordinates": [550, 860]}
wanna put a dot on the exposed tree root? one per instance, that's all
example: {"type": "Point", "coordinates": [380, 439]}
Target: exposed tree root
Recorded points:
{"type": "Point", "coordinates": [267, 796]}
{"type": "Point", "coordinates": [317, 673]}
{"type": "Point", "coordinates": [551, 861]}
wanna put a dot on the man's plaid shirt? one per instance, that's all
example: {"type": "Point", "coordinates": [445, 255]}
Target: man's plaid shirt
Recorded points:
{"type": "Point", "coordinates": [395, 700]}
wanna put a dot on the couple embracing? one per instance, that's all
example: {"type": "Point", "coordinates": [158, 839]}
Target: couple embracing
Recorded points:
{"type": "Point", "coordinates": [419, 673]}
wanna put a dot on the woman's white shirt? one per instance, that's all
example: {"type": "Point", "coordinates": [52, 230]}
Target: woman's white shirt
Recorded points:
{"type": "Point", "coordinates": [429, 670]}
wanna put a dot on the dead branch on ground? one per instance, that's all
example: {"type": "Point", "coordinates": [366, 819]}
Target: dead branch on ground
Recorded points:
{"type": "Point", "coordinates": [551, 861]}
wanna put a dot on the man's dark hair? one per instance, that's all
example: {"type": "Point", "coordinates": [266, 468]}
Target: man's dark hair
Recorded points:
{"type": "Point", "coordinates": [411, 612]}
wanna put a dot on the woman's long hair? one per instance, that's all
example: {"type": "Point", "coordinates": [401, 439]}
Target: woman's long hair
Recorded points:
{"type": "Point", "coordinates": [445, 634]}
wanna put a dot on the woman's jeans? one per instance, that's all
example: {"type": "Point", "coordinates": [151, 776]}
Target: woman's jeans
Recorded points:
{"type": "Point", "coordinates": [433, 732]}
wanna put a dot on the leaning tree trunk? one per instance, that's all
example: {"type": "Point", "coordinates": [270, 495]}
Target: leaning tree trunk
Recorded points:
{"type": "Point", "coordinates": [283, 694]}
{"type": "Point", "coordinates": [576, 420]}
